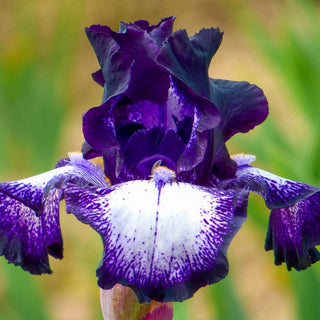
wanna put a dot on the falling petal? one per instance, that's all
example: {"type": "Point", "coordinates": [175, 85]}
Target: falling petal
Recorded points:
{"type": "Point", "coordinates": [29, 213]}
{"type": "Point", "coordinates": [277, 192]}
{"type": "Point", "coordinates": [294, 232]}
{"type": "Point", "coordinates": [165, 240]}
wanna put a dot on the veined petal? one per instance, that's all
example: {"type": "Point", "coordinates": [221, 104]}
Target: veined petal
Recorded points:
{"type": "Point", "coordinates": [25, 238]}
{"type": "Point", "coordinates": [165, 240]}
{"type": "Point", "coordinates": [29, 213]}
{"type": "Point", "coordinates": [277, 192]}
{"type": "Point", "coordinates": [294, 225]}
{"type": "Point", "coordinates": [294, 232]}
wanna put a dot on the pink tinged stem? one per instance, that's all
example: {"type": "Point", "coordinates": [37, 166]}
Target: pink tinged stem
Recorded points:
{"type": "Point", "coordinates": [121, 303]}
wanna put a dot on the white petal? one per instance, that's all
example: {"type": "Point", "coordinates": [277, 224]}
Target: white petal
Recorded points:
{"type": "Point", "coordinates": [165, 240]}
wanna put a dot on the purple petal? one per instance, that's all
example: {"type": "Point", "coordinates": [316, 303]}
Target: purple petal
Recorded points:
{"type": "Point", "coordinates": [142, 144]}
{"type": "Point", "coordinates": [25, 238]}
{"type": "Point", "coordinates": [181, 105]}
{"type": "Point", "coordinates": [242, 105]}
{"type": "Point", "coordinates": [294, 225]}
{"type": "Point", "coordinates": [146, 113]}
{"type": "Point", "coordinates": [163, 240]}
{"type": "Point", "coordinates": [115, 65]}
{"type": "Point", "coordinates": [88, 152]}
{"type": "Point", "coordinates": [194, 152]}
{"type": "Point", "coordinates": [188, 59]}
{"type": "Point", "coordinates": [29, 213]}
{"type": "Point", "coordinates": [146, 147]}
{"type": "Point", "coordinates": [98, 77]}
{"type": "Point", "coordinates": [294, 232]}
{"type": "Point", "coordinates": [159, 32]}
{"type": "Point", "coordinates": [127, 60]}
{"type": "Point", "coordinates": [223, 167]}
{"type": "Point", "coordinates": [98, 128]}
{"type": "Point", "coordinates": [276, 191]}
{"type": "Point", "coordinates": [113, 164]}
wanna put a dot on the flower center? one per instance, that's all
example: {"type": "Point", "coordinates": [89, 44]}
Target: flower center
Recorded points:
{"type": "Point", "coordinates": [162, 173]}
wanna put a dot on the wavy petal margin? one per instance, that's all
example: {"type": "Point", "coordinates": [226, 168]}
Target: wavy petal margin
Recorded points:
{"type": "Point", "coordinates": [29, 213]}
{"type": "Point", "coordinates": [165, 241]}
{"type": "Point", "coordinates": [294, 225]}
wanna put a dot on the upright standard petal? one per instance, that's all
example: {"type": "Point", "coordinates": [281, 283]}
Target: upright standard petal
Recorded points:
{"type": "Point", "coordinates": [29, 213]}
{"type": "Point", "coordinates": [163, 239]}
{"type": "Point", "coordinates": [188, 59]}
{"type": "Point", "coordinates": [242, 106]}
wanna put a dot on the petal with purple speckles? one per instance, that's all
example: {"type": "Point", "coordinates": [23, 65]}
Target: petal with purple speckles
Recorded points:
{"type": "Point", "coordinates": [294, 225]}
{"type": "Point", "coordinates": [163, 240]}
{"type": "Point", "coordinates": [277, 192]}
{"type": "Point", "coordinates": [29, 213]}
{"type": "Point", "coordinates": [25, 238]}
{"type": "Point", "coordinates": [294, 232]}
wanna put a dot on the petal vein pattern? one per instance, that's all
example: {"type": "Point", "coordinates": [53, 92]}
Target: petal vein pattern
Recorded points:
{"type": "Point", "coordinates": [29, 212]}
{"type": "Point", "coordinates": [277, 192]}
{"type": "Point", "coordinates": [164, 240]}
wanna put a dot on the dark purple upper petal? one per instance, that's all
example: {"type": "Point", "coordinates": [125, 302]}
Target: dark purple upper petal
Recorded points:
{"type": "Point", "coordinates": [158, 80]}
{"type": "Point", "coordinates": [164, 240]}
{"type": "Point", "coordinates": [29, 213]}
{"type": "Point", "coordinates": [98, 128]}
{"type": "Point", "coordinates": [242, 105]}
{"type": "Point", "coordinates": [188, 59]}
{"type": "Point", "coordinates": [98, 77]}
{"type": "Point", "coordinates": [127, 60]}
{"type": "Point", "coordinates": [159, 32]}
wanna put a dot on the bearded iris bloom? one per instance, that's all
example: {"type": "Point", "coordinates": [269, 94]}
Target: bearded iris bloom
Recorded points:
{"type": "Point", "coordinates": [174, 198]}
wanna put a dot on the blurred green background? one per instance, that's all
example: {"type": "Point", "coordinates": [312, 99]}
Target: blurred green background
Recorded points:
{"type": "Point", "coordinates": [45, 86]}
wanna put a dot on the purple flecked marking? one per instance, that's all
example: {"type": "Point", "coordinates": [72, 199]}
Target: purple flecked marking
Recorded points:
{"type": "Point", "coordinates": [276, 191]}
{"type": "Point", "coordinates": [294, 232]}
{"type": "Point", "coordinates": [155, 236]}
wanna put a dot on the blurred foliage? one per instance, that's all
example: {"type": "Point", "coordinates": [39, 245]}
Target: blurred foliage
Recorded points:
{"type": "Point", "coordinates": [45, 86]}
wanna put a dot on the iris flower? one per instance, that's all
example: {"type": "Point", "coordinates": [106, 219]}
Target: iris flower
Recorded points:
{"type": "Point", "coordinates": [169, 198]}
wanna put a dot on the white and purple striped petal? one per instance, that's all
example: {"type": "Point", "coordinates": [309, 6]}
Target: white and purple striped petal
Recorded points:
{"type": "Point", "coordinates": [29, 213]}
{"type": "Point", "coordinates": [25, 238]}
{"type": "Point", "coordinates": [277, 192]}
{"type": "Point", "coordinates": [294, 225]}
{"type": "Point", "coordinates": [165, 240]}
{"type": "Point", "coordinates": [294, 232]}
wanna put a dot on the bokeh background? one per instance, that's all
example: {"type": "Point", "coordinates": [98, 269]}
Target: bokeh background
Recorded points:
{"type": "Point", "coordinates": [45, 87]}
